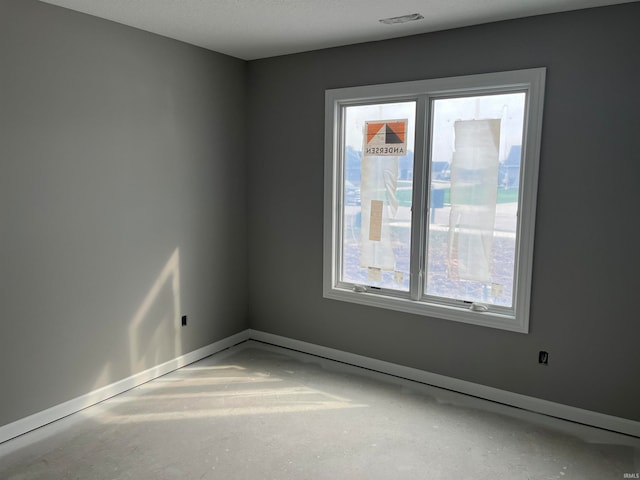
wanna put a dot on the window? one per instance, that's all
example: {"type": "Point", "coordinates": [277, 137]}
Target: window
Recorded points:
{"type": "Point", "coordinates": [430, 196]}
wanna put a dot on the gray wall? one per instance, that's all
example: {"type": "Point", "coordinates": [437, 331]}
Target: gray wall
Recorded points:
{"type": "Point", "coordinates": [122, 202]}
{"type": "Point", "coordinates": [584, 310]}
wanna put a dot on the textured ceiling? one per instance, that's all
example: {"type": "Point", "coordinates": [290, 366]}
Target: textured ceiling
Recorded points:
{"type": "Point", "coordinates": [251, 29]}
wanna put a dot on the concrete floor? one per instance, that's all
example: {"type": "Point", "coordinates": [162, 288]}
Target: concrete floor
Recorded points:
{"type": "Point", "coordinates": [261, 412]}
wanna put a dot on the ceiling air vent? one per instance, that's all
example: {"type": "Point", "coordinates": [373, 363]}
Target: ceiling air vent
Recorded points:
{"type": "Point", "coordinates": [402, 19]}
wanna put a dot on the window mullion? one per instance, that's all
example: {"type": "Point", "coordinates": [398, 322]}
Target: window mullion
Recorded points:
{"type": "Point", "coordinates": [419, 201]}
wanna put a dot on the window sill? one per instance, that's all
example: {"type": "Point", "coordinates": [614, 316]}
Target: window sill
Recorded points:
{"type": "Point", "coordinates": [464, 315]}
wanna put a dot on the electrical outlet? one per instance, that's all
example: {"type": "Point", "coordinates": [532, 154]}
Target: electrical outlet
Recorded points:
{"type": "Point", "coordinates": [543, 358]}
{"type": "Point", "coordinates": [184, 320]}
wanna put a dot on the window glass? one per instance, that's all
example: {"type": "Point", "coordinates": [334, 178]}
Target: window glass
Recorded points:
{"type": "Point", "coordinates": [476, 144]}
{"type": "Point", "coordinates": [377, 191]}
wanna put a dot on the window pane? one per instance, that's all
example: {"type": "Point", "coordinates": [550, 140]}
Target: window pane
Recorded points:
{"type": "Point", "coordinates": [377, 192]}
{"type": "Point", "coordinates": [474, 189]}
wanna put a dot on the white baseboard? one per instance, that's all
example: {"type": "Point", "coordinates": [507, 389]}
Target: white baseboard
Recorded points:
{"type": "Point", "coordinates": [74, 405]}
{"type": "Point", "coordinates": [531, 404]}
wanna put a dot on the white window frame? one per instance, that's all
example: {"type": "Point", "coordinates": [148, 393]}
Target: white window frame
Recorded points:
{"type": "Point", "coordinates": [514, 319]}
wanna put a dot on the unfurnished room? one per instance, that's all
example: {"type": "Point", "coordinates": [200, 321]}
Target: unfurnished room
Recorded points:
{"type": "Point", "coordinates": [319, 239]}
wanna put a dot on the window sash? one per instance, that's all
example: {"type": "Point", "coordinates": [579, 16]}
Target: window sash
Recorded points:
{"type": "Point", "coordinates": [494, 96]}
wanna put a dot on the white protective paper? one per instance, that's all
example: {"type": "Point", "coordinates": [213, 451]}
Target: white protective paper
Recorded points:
{"type": "Point", "coordinates": [474, 183]}
{"type": "Point", "coordinates": [379, 182]}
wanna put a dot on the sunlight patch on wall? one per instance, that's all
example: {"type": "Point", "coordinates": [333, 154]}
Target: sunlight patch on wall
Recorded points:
{"type": "Point", "coordinates": [159, 312]}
